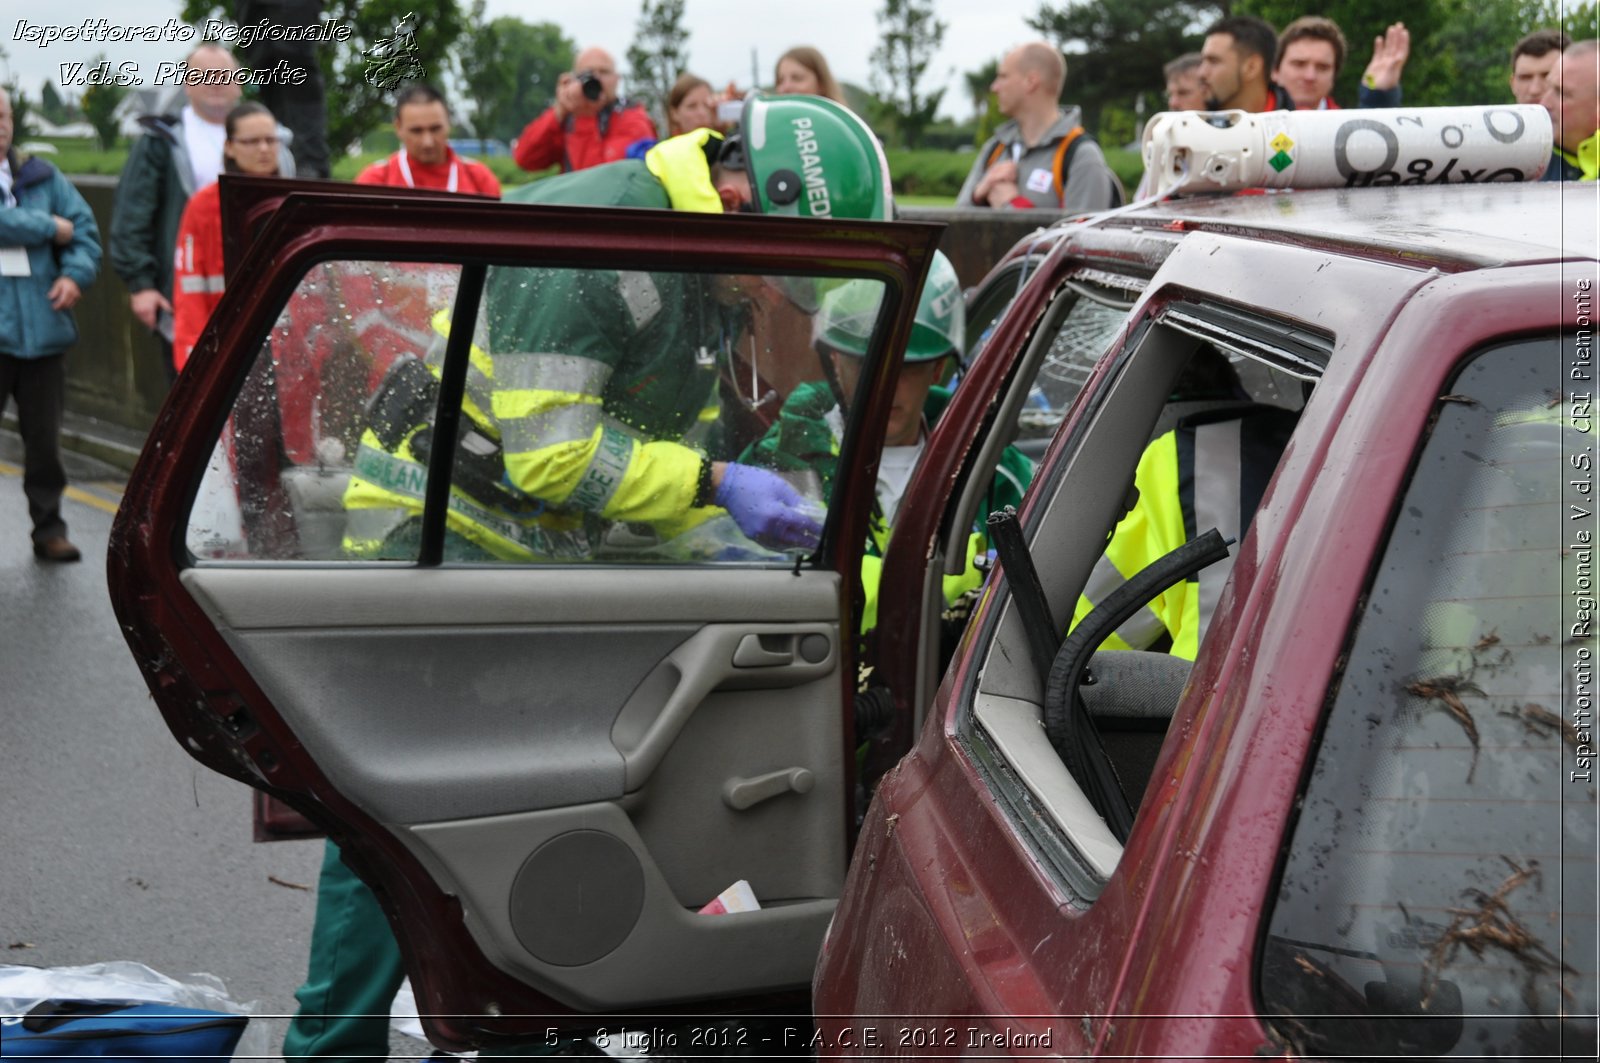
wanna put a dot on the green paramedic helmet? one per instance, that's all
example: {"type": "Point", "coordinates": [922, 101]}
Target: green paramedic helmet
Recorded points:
{"type": "Point", "coordinates": [809, 157]}
{"type": "Point", "coordinates": [848, 314]}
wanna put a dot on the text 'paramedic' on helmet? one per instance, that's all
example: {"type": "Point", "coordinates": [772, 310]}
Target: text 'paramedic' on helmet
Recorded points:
{"type": "Point", "coordinates": [808, 157]}
{"type": "Point", "coordinates": [849, 313]}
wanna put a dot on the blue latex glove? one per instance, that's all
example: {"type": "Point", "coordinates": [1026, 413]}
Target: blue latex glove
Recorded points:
{"type": "Point", "coordinates": [767, 509]}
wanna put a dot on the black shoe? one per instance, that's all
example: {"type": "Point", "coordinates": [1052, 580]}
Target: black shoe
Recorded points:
{"type": "Point", "coordinates": [58, 548]}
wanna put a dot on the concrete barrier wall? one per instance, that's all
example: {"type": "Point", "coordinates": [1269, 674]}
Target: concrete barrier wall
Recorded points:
{"type": "Point", "coordinates": [976, 238]}
{"type": "Point", "coordinates": [115, 380]}
{"type": "Point", "coordinates": [114, 374]}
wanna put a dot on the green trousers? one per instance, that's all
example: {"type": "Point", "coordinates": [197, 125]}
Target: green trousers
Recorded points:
{"type": "Point", "coordinates": [352, 977]}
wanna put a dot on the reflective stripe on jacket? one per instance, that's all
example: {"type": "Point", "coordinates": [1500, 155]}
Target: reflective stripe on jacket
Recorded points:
{"type": "Point", "coordinates": [197, 277]}
{"type": "Point", "coordinates": [1209, 472]}
{"type": "Point", "coordinates": [389, 483]}
{"type": "Point", "coordinates": [599, 374]}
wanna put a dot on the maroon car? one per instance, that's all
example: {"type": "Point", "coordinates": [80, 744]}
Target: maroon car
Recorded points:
{"type": "Point", "coordinates": [1361, 824]}
{"type": "Point", "coordinates": [1364, 823]}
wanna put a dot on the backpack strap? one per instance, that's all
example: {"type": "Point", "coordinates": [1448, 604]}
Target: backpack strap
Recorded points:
{"type": "Point", "coordinates": [1063, 162]}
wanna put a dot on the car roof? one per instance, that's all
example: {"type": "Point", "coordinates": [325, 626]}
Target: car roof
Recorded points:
{"type": "Point", "coordinates": [1476, 226]}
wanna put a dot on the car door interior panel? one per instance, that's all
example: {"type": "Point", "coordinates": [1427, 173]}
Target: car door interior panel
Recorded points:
{"type": "Point", "coordinates": [665, 760]}
{"type": "Point", "coordinates": [572, 901]}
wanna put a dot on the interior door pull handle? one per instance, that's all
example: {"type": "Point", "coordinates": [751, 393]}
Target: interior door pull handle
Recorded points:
{"type": "Point", "coordinates": [740, 794]}
{"type": "Point", "coordinates": [752, 654]}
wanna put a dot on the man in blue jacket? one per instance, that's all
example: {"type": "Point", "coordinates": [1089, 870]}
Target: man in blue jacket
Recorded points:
{"type": "Point", "coordinates": [49, 253]}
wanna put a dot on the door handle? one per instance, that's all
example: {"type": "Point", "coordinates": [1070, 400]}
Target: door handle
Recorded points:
{"type": "Point", "coordinates": [752, 652]}
{"type": "Point", "coordinates": [740, 794]}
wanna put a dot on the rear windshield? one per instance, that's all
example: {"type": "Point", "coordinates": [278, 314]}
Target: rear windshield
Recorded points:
{"type": "Point", "coordinates": [1439, 893]}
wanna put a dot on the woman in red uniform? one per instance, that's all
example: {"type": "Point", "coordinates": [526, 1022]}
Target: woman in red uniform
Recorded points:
{"type": "Point", "coordinates": [251, 147]}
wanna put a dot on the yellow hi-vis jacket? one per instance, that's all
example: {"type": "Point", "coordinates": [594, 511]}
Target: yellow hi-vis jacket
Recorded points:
{"type": "Point", "coordinates": [599, 375]}
{"type": "Point", "coordinates": [389, 482]}
{"type": "Point", "coordinates": [1209, 472]}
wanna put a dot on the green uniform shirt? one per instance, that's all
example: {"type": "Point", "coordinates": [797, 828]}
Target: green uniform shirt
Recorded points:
{"type": "Point", "coordinates": [600, 373]}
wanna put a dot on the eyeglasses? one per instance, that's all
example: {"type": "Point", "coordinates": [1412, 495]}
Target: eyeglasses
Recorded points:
{"type": "Point", "coordinates": [257, 142]}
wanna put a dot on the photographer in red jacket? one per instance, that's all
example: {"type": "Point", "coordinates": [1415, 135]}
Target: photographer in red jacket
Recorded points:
{"type": "Point", "coordinates": [588, 124]}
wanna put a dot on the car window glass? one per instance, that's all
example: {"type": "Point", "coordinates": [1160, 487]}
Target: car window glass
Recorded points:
{"type": "Point", "coordinates": [1443, 864]}
{"type": "Point", "coordinates": [599, 408]}
{"type": "Point", "coordinates": [1085, 332]}
{"type": "Point", "coordinates": [276, 483]}
{"type": "Point", "coordinates": [990, 303]}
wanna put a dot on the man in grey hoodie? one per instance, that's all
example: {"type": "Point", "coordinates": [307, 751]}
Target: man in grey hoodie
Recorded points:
{"type": "Point", "coordinates": [1042, 157]}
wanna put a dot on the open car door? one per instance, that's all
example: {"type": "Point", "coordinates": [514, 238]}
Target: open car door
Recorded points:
{"type": "Point", "coordinates": [545, 738]}
{"type": "Point", "coordinates": [248, 203]}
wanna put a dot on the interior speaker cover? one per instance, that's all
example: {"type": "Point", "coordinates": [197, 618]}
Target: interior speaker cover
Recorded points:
{"type": "Point", "coordinates": [577, 897]}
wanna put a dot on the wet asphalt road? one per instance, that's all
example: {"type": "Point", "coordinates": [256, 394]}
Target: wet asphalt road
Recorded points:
{"type": "Point", "coordinates": [114, 843]}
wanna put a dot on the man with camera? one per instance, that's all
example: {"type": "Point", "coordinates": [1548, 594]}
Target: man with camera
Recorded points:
{"type": "Point", "coordinates": [587, 124]}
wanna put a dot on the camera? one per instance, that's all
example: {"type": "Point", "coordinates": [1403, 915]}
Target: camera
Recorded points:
{"type": "Point", "coordinates": [590, 83]}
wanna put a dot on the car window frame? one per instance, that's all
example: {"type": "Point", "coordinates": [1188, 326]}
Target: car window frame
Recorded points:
{"type": "Point", "coordinates": [264, 213]}
{"type": "Point", "coordinates": [1078, 851]}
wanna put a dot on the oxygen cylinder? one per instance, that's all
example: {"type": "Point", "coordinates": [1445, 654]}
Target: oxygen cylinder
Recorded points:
{"type": "Point", "coordinates": [1224, 151]}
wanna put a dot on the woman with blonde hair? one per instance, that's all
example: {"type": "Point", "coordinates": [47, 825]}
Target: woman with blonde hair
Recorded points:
{"type": "Point", "coordinates": [804, 70]}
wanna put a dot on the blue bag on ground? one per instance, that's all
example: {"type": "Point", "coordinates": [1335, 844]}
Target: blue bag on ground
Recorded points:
{"type": "Point", "coordinates": [119, 1030]}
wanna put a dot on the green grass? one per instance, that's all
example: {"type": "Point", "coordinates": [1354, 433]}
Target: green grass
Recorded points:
{"type": "Point", "coordinates": [81, 156]}
{"type": "Point", "coordinates": [1125, 164]}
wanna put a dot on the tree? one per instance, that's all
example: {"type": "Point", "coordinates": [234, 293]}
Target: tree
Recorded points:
{"type": "Point", "coordinates": [978, 82]}
{"type": "Point", "coordinates": [52, 106]}
{"type": "Point", "coordinates": [911, 35]}
{"type": "Point", "coordinates": [659, 53]}
{"type": "Point", "coordinates": [100, 107]}
{"type": "Point", "coordinates": [1115, 48]}
{"type": "Point", "coordinates": [21, 107]}
{"type": "Point", "coordinates": [359, 101]}
{"type": "Point", "coordinates": [481, 71]}
{"type": "Point", "coordinates": [509, 69]}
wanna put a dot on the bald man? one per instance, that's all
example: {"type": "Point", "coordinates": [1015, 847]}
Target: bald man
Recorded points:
{"type": "Point", "coordinates": [1572, 96]}
{"type": "Point", "coordinates": [587, 124]}
{"type": "Point", "coordinates": [1041, 158]}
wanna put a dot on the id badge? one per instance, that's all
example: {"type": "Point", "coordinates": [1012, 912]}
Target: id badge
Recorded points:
{"type": "Point", "coordinates": [14, 262]}
{"type": "Point", "coordinates": [1040, 181]}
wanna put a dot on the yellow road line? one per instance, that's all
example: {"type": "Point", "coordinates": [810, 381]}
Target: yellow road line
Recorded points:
{"type": "Point", "coordinates": [72, 492]}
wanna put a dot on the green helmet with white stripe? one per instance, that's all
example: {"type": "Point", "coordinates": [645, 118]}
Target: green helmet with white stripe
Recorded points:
{"type": "Point", "coordinates": [809, 157]}
{"type": "Point", "coordinates": [848, 314]}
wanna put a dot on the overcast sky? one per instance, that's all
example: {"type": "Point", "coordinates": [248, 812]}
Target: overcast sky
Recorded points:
{"type": "Point", "coordinates": [722, 35]}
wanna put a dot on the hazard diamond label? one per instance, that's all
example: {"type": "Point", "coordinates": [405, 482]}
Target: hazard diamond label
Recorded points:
{"type": "Point", "coordinates": [1281, 142]}
{"type": "Point", "coordinates": [1281, 161]}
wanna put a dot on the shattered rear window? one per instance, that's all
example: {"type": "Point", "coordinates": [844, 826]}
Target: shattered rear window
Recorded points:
{"type": "Point", "coordinates": [1439, 894]}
